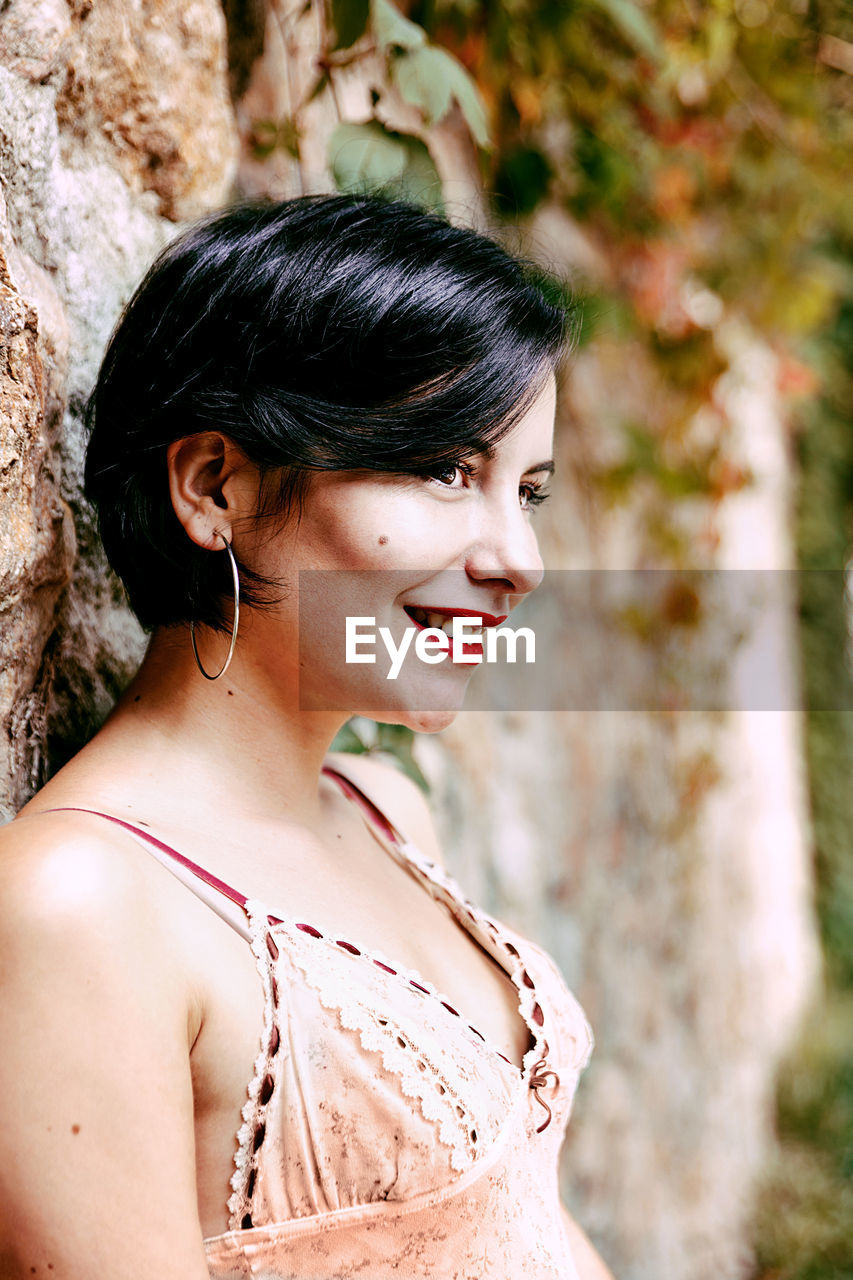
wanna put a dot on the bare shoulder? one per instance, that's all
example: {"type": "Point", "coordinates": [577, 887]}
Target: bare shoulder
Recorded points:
{"type": "Point", "coordinates": [51, 861]}
{"type": "Point", "coordinates": [398, 797]}
{"type": "Point", "coordinates": [63, 876]}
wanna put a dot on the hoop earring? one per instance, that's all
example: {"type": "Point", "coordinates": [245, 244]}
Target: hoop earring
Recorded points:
{"type": "Point", "coordinates": [235, 575]}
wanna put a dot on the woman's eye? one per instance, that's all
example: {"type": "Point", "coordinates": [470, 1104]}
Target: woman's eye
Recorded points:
{"type": "Point", "coordinates": [448, 472]}
{"type": "Point", "coordinates": [532, 496]}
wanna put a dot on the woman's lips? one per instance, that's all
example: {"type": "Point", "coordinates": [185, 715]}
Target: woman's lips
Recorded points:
{"type": "Point", "coordinates": [489, 619]}
{"type": "Point", "coordinates": [434, 618]}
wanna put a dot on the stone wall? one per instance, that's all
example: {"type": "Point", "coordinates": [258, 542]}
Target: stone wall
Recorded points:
{"type": "Point", "coordinates": [115, 125]}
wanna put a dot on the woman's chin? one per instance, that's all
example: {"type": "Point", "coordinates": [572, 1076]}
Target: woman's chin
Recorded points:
{"type": "Point", "coordinates": [425, 720]}
{"type": "Point", "coordinates": [423, 702]}
{"type": "Point", "coordinates": [430, 721]}
{"type": "Point", "coordinates": [421, 711]}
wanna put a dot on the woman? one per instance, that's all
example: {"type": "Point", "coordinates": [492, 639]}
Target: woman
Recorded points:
{"type": "Point", "coordinates": [351, 387]}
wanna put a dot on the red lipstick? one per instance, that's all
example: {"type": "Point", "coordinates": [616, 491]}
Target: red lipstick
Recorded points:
{"type": "Point", "coordinates": [489, 619]}
{"type": "Point", "coordinates": [471, 648]}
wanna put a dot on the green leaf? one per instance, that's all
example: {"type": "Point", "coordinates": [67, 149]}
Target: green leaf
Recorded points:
{"type": "Point", "coordinates": [369, 157]}
{"type": "Point", "coordinates": [365, 157]}
{"type": "Point", "coordinates": [424, 80]}
{"type": "Point", "coordinates": [473, 108]}
{"type": "Point", "coordinates": [346, 739]}
{"type": "Point", "coordinates": [419, 181]}
{"type": "Point", "coordinates": [635, 26]}
{"type": "Point", "coordinates": [391, 28]}
{"type": "Point", "coordinates": [350, 19]}
{"type": "Point", "coordinates": [397, 742]}
{"type": "Point", "coordinates": [430, 78]}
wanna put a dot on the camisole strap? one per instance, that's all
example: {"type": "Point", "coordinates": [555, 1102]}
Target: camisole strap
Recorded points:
{"type": "Point", "coordinates": [179, 866]}
{"type": "Point", "coordinates": [373, 812]}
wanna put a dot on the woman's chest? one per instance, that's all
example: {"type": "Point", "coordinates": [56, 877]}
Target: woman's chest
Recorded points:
{"type": "Point", "coordinates": [378, 903]}
{"type": "Point", "coordinates": [467, 994]}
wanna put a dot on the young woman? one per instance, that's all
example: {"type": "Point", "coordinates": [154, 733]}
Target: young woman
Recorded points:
{"type": "Point", "coordinates": [250, 1026]}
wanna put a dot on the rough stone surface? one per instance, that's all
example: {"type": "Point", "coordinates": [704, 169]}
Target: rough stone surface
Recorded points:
{"type": "Point", "coordinates": [114, 122]}
{"type": "Point", "coordinates": [36, 533]}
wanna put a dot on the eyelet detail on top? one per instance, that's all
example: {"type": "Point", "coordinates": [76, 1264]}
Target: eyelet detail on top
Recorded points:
{"type": "Point", "coordinates": [252, 1133]}
{"type": "Point", "coordinates": [309, 928]}
{"type": "Point", "coordinates": [444, 888]}
{"type": "Point", "coordinates": [418, 1076]}
{"type": "Point", "coordinates": [413, 982]}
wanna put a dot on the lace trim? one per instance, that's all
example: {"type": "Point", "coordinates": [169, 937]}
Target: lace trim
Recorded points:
{"type": "Point", "coordinates": [420, 1077]}
{"type": "Point", "coordinates": [239, 1203]}
{"type": "Point", "coordinates": [437, 877]}
{"type": "Point", "coordinates": [585, 1043]}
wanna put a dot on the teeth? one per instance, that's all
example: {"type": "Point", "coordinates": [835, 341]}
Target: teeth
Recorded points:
{"type": "Point", "coordinates": [442, 622]}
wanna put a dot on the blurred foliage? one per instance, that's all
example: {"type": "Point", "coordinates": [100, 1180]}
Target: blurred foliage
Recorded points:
{"type": "Point", "coordinates": [703, 150]}
{"type": "Point", "coordinates": [368, 737]}
{"type": "Point", "coordinates": [367, 155]}
{"type": "Point", "coordinates": [804, 1213]}
{"type": "Point", "coordinates": [825, 535]}
{"type": "Point", "coordinates": [805, 1203]}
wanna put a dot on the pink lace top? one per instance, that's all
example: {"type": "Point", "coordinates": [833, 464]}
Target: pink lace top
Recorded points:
{"type": "Point", "coordinates": [383, 1135]}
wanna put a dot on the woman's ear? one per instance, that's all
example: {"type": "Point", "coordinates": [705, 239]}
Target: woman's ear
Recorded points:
{"type": "Point", "coordinates": [208, 486]}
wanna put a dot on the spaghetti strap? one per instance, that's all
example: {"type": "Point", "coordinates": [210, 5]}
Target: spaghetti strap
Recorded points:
{"type": "Point", "coordinates": [177, 862]}
{"type": "Point", "coordinates": [206, 876]}
{"type": "Point", "coordinates": [179, 865]}
{"type": "Point", "coordinates": [374, 813]}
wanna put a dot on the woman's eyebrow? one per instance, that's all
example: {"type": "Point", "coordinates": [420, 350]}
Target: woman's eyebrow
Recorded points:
{"type": "Point", "coordinates": [488, 453]}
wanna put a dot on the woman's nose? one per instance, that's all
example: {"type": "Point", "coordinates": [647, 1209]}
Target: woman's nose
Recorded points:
{"type": "Point", "coordinates": [507, 550]}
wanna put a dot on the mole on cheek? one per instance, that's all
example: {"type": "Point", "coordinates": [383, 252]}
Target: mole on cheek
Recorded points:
{"type": "Point", "coordinates": [383, 540]}
{"type": "Point", "coordinates": [75, 1128]}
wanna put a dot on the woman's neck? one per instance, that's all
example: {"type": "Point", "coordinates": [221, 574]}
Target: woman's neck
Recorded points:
{"type": "Point", "coordinates": [243, 734]}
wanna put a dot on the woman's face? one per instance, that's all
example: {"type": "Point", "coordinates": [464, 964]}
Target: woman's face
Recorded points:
{"type": "Point", "coordinates": [372, 545]}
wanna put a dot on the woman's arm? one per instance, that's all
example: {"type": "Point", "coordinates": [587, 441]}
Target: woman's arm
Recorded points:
{"type": "Point", "coordinates": [587, 1260]}
{"type": "Point", "coordinates": [97, 1162]}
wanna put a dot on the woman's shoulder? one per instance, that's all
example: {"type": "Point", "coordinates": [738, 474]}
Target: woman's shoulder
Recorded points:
{"type": "Point", "coordinates": [50, 859]}
{"type": "Point", "coordinates": [65, 876]}
{"type": "Point", "coordinates": [84, 918]}
{"type": "Point", "coordinates": [400, 799]}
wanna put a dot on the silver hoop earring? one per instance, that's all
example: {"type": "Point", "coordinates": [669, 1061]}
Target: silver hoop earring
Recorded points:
{"type": "Point", "coordinates": [235, 575]}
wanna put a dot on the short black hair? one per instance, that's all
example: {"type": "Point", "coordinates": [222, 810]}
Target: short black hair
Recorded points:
{"type": "Point", "coordinates": [341, 332]}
